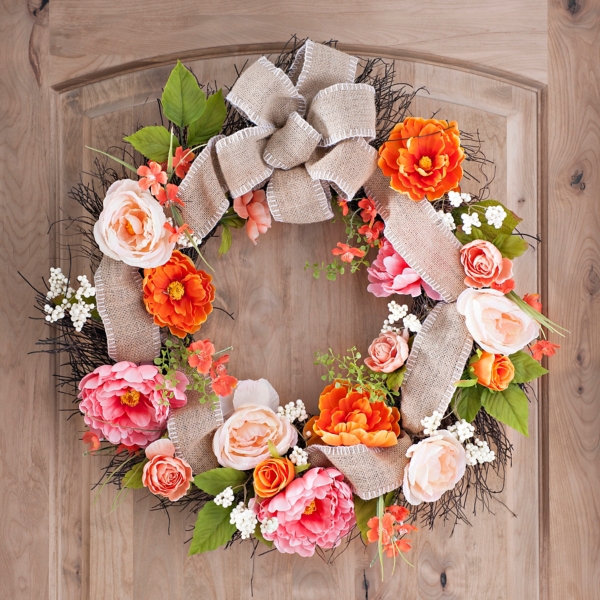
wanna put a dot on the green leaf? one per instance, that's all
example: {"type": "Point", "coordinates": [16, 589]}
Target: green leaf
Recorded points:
{"type": "Point", "coordinates": [226, 239]}
{"type": "Point", "coordinates": [237, 223]}
{"type": "Point", "coordinates": [526, 368]}
{"type": "Point", "coordinates": [465, 383]}
{"type": "Point", "coordinates": [301, 468]}
{"type": "Point", "coordinates": [212, 529]}
{"type": "Point", "coordinates": [121, 162]}
{"type": "Point", "coordinates": [183, 101]}
{"type": "Point", "coordinates": [489, 231]}
{"type": "Point", "coordinates": [465, 238]}
{"type": "Point", "coordinates": [467, 402]}
{"type": "Point", "coordinates": [259, 536]}
{"type": "Point", "coordinates": [364, 510]}
{"type": "Point", "coordinates": [213, 482]}
{"type": "Point", "coordinates": [394, 380]}
{"type": "Point", "coordinates": [151, 142]}
{"type": "Point", "coordinates": [510, 246]}
{"type": "Point", "coordinates": [133, 478]}
{"type": "Point", "coordinates": [389, 498]}
{"type": "Point", "coordinates": [273, 449]}
{"type": "Point", "coordinates": [510, 407]}
{"type": "Point", "coordinates": [211, 121]}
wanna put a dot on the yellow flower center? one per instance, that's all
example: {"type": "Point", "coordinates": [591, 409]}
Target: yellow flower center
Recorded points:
{"type": "Point", "coordinates": [310, 509]}
{"type": "Point", "coordinates": [425, 163]}
{"type": "Point", "coordinates": [130, 398]}
{"type": "Point", "coordinates": [129, 228]}
{"type": "Point", "coordinates": [176, 290]}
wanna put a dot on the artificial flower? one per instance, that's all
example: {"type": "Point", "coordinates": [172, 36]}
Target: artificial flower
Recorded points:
{"type": "Point", "coordinates": [423, 158]}
{"type": "Point", "coordinates": [313, 510]}
{"type": "Point", "coordinates": [505, 287]}
{"type": "Point", "coordinates": [176, 231]}
{"type": "Point", "coordinates": [129, 449]}
{"type": "Point", "coordinates": [496, 323]}
{"type": "Point", "coordinates": [371, 234]}
{"type": "Point", "coordinates": [273, 475]}
{"type": "Point", "coordinates": [368, 212]}
{"type": "Point", "coordinates": [222, 383]}
{"type": "Point", "coordinates": [484, 265]}
{"type": "Point", "coordinates": [178, 295]}
{"type": "Point", "coordinates": [169, 196]}
{"type": "Point", "coordinates": [543, 348]}
{"type": "Point", "coordinates": [201, 356]}
{"type": "Point", "coordinates": [391, 530]}
{"type": "Point", "coordinates": [182, 161]}
{"type": "Point", "coordinates": [387, 352]}
{"type": "Point", "coordinates": [92, 441]}
{"type": "Point", "coordinates": [349, 417]}
{"type": "Point", "coordinates": [130, 227]}
{"type": "Point", "coordinates": [253, 207]}
{"type": "Point", "coordinates": [347, 253]}
{"type": "Point", "coordinates": [436, 465]}
{"type": "Point", "coordinates": [164, 474]}
{"type": "Point", "coordinates": [534, 301]}
{"type": "Point", "coordinates": [343, 204]}
{"type": "Point", "coordinates": [152, 176]}
{"type": "Point", "coordinates": [242, 441]}
{"type": "Point", "coordinates": [126, 403]}
{"type": "Point", "coordinates": [493, 371]}
{"type": "Point", "coordinates": [390, 274]}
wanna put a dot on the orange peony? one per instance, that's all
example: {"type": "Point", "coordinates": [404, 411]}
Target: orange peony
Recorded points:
{"type": "Point", "coordinates": [273, 475]}
{"type": "Point", "coordinates": [422, 157]}
{"type": "Point", "coordinates": [178, 296]}
{"type": "Point", "coordinates": [494, 371]}
{"type": "Point", "coordinates": [348, 418]}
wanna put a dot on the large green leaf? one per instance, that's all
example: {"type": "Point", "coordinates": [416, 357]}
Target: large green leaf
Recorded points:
{"type": "Point", "coordinates": [364, 510]}
{"type": "Point", "coordinates": [212, 529]}
{"type": "Point", "coordinates": [467, 402]}
{"type": "Point", "coordinates": [211, 121]}
{"type": "Point", "coordinates": [133, 478]}
{"type": "Point", "coordinates": [526, 368]}
{"type": "Point", "coordinates": [510, 407]}
{"type": "Point", "coordinates": [489, 231]}
{"type": "Point", "coordinates": [183, 101]}
{"type": "Point", "coordinates": [213, 482]}
{"type": "Point", "coordinates": [510, 246]}
{"type": "Point", "coordinates": [151, 142]}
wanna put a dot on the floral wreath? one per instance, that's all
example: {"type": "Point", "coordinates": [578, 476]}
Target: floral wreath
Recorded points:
{"type": "Point", "coordinates": [415, 424]}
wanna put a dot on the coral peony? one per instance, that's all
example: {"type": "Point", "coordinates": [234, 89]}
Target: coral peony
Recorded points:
{"type": "Point", "coordinates": [347, 418]}
{"type": "Point", "coordinates": [543, 348]}
{"type": "Point", "coordinates": [390, 274]}
{"type": "Point", "coordinates": [253, 207]}
{"type": "Point", "coordinates": [131, 227]}
{"type": "Point", "coordinates": [165, 474]}
{"type": "Point", "coordinates": [273, 475]}
{"type": "Point", "coordinates": [484, 264]}
{"type": "Point", "coordinates": [388, 352]}
{"type": "Point", "coordinates": [178, 296]}
{"type": "Point", "coordinates": [423, 158]}
{"type": "Point", "coordinates": [313, 510]}
{"type": "Point", "coordinates": [125, 404]}
{"type": "Point", "coordinates": [493, 371]}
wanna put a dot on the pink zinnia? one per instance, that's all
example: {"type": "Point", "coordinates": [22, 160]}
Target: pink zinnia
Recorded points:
{"type": "Point", "coordinates": [390, 274]}
{"type": "Point", "coordinates": [313, 510]}
{"type": "Point", "coordinates": [123, 402]}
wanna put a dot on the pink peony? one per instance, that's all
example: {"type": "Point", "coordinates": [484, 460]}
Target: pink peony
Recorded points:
{"type": "Point", "coordinates": [314, 510]}
{"type": "Point", "coordinates": [123, 404]}
{"type": "Point", "coordinates": [253, 207]}
{"type": "Point", "coordinates": [390, 274]}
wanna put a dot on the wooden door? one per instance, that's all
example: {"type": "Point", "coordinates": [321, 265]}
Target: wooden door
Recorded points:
{"type": "Point", "coordinates": [90, 75]}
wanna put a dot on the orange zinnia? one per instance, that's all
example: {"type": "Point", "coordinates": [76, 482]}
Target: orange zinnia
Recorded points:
{"type": "Point", "coordinates": [348, 418]}
{"type": "Point", "coordinates": [422, 157]}
{"type": "Point", "coordinates": [178, 296]}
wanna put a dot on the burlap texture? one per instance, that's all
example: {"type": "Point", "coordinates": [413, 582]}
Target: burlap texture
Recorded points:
{"type": "Point", "coordinates": [191, 430]}
{"type": "Point", "coordinates": [369, 471]}
{"type": "Point", "coordinates": [130, 330]}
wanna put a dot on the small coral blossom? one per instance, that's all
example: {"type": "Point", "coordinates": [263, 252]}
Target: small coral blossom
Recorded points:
{"type": "Point", "coordinates": [253, 207]}
{"type": "Point", "coordinates": [543, 348]}
{"type": "Point", "coordinates": [176, 231]}
{"type": "Point", "coordinates": [534, 301]}
{"type": "Point", "coordinates": [222, 383]}
{"type": "Point", "coordinates": [343, 204]}
{"type": "Point", "coordinates": [371, 234]}
{"type": "Point", "coordinates": [182, 161]}
{"type": "Point", "coordinates": [169, 196]}
{"type": "Point", "coordinates": [368, 212]}
{"type": "Point", "coordinates": [392, 530]}
{"type": "Point", "coordinates": [92, 441]}
{"type": "Point", "coordinates": [347, 253]}
{"type": "Point", "coordinates": [201, 356]}
{"type": "Point", "coordinates": [152, 176]}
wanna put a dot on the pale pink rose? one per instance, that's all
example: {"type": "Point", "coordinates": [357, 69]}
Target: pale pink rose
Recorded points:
{"type": "Point", "coordinates": [484, 265]}
{"type": "Point", "coordinates": [313, 510]}
{"type": "Point", "coordinates": [390, 274]}
{"type": "Point", "coordinates": [131, 227]}
{"type": "Point", "coordinates": [165, 474]}
{"type": "Point", "coordinates": [436, 465]}
{"type": "Point", "coordinates": [388, 352]}
{"type": "Point", "coordinates": [124, 403]}
{"type": "Point", "coordinates": [242, 441]}
{"type": "Point", "coordinates": [496, 323]}
{"type": "Point", "coordinates": [253, 206]}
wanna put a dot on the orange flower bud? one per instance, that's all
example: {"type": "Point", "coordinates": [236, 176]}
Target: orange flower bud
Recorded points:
{"type": "Point", "coordinates": [273, 475]}
{"type": "Point", "coordinates": [494, 371]}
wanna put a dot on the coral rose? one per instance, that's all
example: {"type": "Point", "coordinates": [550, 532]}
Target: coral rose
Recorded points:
{"type": "Point", "coordinates": [484, 265]}
{"type": "Point", "coordinates": [165, 474]}
{"type": "Point", "coordinates": [313, 510]}
{"type": "Point", "coordinates": [272, 475]}
{"type": "Point", "coordinates": [348, 418]}
{"type": "Point", "coordinates": [390, 274]}
{"type": "Point", "coordinates": [496, 323]}
{"type": "Point", "coordinates": [131, 227]}
{"type": "Point", "coordinates": [493, 371]}
{"type": "Point", "coordinates": [242, 441]}
{"type": "Point", "coordinates": [178, 296]}
{"type": "Point", "coordinates": [388, 352]}
{"type": "Point", "coordinates": [253, 207]}
{"type": "Point", "coordinates": [125, 404]}
{"type": "Point", "coordinates": [436, 465]}
{"type": "Point", "coordinates": [423, 158]}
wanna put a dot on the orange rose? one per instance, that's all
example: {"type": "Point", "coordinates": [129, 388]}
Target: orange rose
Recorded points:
{"type": "Point", "coordinates": [422, 157]}
{"type": "Point", "coordinates": [348, 418]}
{"type": "Point", "coordinates": [272, 475]}
{"type": "Point", "coordinates": [179, 296]}
{"type": "Point", "coordinates": [494, 371]}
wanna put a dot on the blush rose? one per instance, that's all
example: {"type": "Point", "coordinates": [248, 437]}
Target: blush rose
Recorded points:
{"type": "Point", "coordinates": [164, 474]}
{"type": "Point", "coordinates": [388, 352]}
{"type": "Point", "coordinates": [484, 264]}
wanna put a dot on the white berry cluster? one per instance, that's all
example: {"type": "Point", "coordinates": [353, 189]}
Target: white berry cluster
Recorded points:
{"type": "Point", "coordinates": [225, 498]}
{"type": "Point", "coordinates": [432, 423]}
{"type": "Point", "coordinates": [447, 219]}
{"type": "Point", "coordinates": [244, 519]}
{"type": "Point", "coordinates": [269, 525]}
{"type": "Point", "coordinates": [299, 456]}
{"type": "Point", "coordinates": [495, 216]}
{"type": "Point", "coordinates": [462, 430]}
{"type": "Point", "coordinates": [469, 221]}
{"type": "Point", "coordinates": [293, 411]}
{"type": "Point", "coordinates": [457, 199]}
{"type": "Point", "coordinates": [58, 283]}
{"type": "Point", "coordinates": [479, 452]}
{"type": "Point", "coordinates": [183, 241]}
{"type": "Point", "coordinates": [412, 323]}
{"type": "Point", "coordinates": [397, 312]}
{"type": "Point", "coordinates": [74, 302]}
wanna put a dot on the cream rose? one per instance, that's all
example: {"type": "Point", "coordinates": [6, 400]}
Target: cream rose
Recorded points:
{"type": "Point", "coordinates": [496, 323]}
{"type": "Point", "coordinates": [436, 465]}
{"type": "Point", "coordinates": [131, 227]}
{"type": "Point", "coordinates": [242, 441]}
